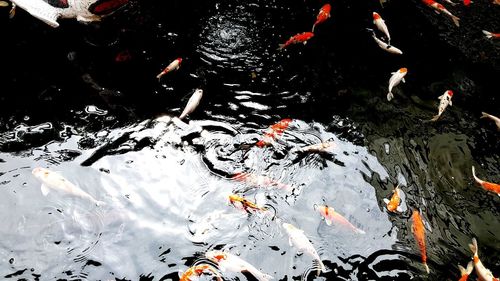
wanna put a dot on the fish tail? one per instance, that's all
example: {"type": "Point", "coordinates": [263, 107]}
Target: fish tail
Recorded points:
{"type": "Point", "coordinates": [466, 271]}
{"type": "Point", "coordinates": [427, 268]}
{"type": "Point", "coordinates": [484, 114]}
{"type": "Point", "coordinates": [314, 26]}
{"type": "Point", "coordinates": [435, 118]}
{"type": "Point", "coordinates": [160, 75]}
{"type": "Point", "coordinates": [390, 96]}
{"type": "Point", "coordinates": [473, 246]}
{"type": "Point", "coordinates": [281, 47]}
{"type": "Point", "coordinates": [455, 20]}
{"type": "Point", "coordinates": [474, 175]}
{"type": "Point", "coordinates": [488, 34]}
{"type": "Point", "coordinates": [12, 11]}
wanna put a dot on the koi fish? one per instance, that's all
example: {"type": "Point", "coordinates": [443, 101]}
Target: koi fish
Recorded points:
{"type": "Point", "coordinates": [323, 147]}
{"type": "Point", "coordinates": [493, 187]}
{"type": "Point", "coordinates": [386, 47]}
{"type": "Point", "coordinates": [331, 216]}
{"type": "Point", "coordinates": [193, 102]}
{"type": "Point", "coordinates": [465, 272]}
{"type": "Point", "coordinates": [175, 65]}
{"type": "Point", "coordinates": [440, 8]}
{"type": "Point", "coordinates": [393, 204]}
{"type": "Point", "coordinates": [244, 204]}
{"type": "Point", "coordinates": [482, 272]}
{"type": "Point", "coordinates": [396, 78]}
{"type": "Point", "coordinates": [494, 118]}
{"type": "Point", "coordinates": [4, 4]}
{"type": "Point", "coordinates": [444, 101]}
{"type": "Point", "coordinates": [198, 270]}
{"type": "Point", "coordinates": [297, 238]}
{"type": "Point", "coordinates": [298, 38]}
{"type": "Point", "coordinates": [53, 180]}
{"type": "Point", "coordinates": [496, 2]}
{"type": "Point", "coordinates": [323, 15]}
{"type": "Point", "coordinates": [227, 261]}
{"type": "Point", "coordinates": [419, 233]}
{"type": "Point", "coordinates": [491, 34]}
{"type": "Point", "coordinates": [259, 181]}
{"type": "Point", "coordinates": [380, 24]}
{"type": "Point", "coordinates": [273, 132]}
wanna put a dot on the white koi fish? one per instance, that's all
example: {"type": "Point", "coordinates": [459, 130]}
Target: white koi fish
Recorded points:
{"type": "Point", "coordinates": [193, 102]}
{"type": "Point", "coordinates": [494, 118]}
{"type": "Point", "coordinates": [227, 261]}
{"type": "Point", "coordinates": [444, 101]}
{"type": "Point", "coordinates": [298, 239]}
{"type": "Point", "coordinates": [174, 65]}
{"type": "Point", "coordinates": [482, 272]}
{"type": "Point", "coordinates": [380, 24]}
{"type": "Point", "coordinates": [386, 47]}
{"type": "Point", "coordinates": [396, 78]}
{"type": "Point", "coordinates": [53, 180]}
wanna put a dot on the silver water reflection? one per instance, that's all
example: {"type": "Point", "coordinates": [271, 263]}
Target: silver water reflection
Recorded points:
{"type": "Point", "coordinates": [167, 204]}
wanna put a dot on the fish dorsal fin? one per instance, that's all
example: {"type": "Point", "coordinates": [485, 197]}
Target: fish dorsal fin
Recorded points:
{"type": "Point", "coordinates": [45, 189]}
{"type": "Point", "coordinates": [399, 209]}
{"type": "Point", "coordinates": [451, 103]}
{"type": "Point", "coordinates": [328, 221]}
{"type": "Point", "coordinates": [386, 201]}
{"type": "Point", "coordinates": [402, 79]}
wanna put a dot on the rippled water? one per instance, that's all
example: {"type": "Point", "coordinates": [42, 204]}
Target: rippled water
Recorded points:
{"type": "Point", "coordinates": [101, 119]}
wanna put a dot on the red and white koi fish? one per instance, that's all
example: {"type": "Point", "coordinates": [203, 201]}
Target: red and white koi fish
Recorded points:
{"type": "Point", "coordinates": [482, 272]}
{"type": "Point", "coordinates": [493, 187]}
{"type": "Point", "coordinates": [323, 147]}
{"type": "Point", "coordinates": [386, 47]}
{"type": "Point", "coordinates": [176, 64]}
{"type": "Point", "coordinates": [444, 101]}
{"type": "Point", "coordinates": [419, 233]}
{"type": "Point", "coordinates": [273, 132]}
{"type": "Point", "coordinates": [227, 261]}
{"type": "Point", "coordinates": [244, 204]}
{"type": "Point", "coordinates": [298, 38]}
{"type": "Point", "coordinates": [323, 15]}
{"type": "Point", "coordinates": [380, 24]}
{"type": "Point", "coordinates": [465, 272]}
{"type": "Point", "coordinates": [393, 204]}
{"type": "Point", "coordinates": [396, 78]}
{"type": "Point", "coordinates": [494, 118]}
{"type": "Point", "coordinates": [333, 217]}
{"type": "Point", "coordinates": [259, 181]}
{"type": "Point", "coordinates": [491, 34]}
{"type": "Point", "coordinates": [193, 102]}
{"type": "Point", "coordinates": [440, 8]}
{"type": "Point", "coordinates": [53, 180]}
{"type": "Point", "coordinates": [299, 240]}
{"type": "Point", "coordinates": [198, 270]}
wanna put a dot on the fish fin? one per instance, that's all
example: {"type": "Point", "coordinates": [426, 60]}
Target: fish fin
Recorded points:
{"type": "Point", "coordinates": [281, 47]}
{"type": "Point", "coordinates": [390, 96]}
{"type": "Point", "coordinates": [435, 118]}
{"type": "Point", "coordinates": [45, 189]}
{"type": "Point", "coordinates": [12, 11]}
{"type": "Point", "coordinates": [290, 241]}
{"type": "Point", "coordinates": [456, 20]}
{"type": "Point", "coordinates": [359, 231]}
{"type": "Point", "coordinates": [42, 11]}
{"type": "Point", "coordinates": [386, 201]}
{"type": "Point", "coordinates": [399, 209]}
{"type": "Point", "coordinates": [402, 79]}
{"type": "Point", "coordinates": [314, 25]}
{"type": "Point", "coordinates": [451, 103]}
{"type": "Point", "coordinates": [305, 42]}
{"type": "Point", "coordinates": [484, 115]}
{"type": "Point", "coordinates": [473, 246]}
{"type": "Point", "coordinates": [427, 268]}
{"type": "Point", "coordinates": [488, 34]}
{"type": "Point", "coordinates": [328, 221]}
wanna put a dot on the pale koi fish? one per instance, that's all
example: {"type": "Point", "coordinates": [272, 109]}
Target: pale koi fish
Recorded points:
{"type": "Point", "coordinates": [193, 102]}
{"type": "Point", "coordinates": [444, 102]}
{"type": "Point", "coordinates": [491, 117]}
{"type": "Point", "coordinates": [227, 261]}
{"type": "Point", "coordinates": [333, 217]}
{"type": "Point", "coordinates": [396, 78]}
{"type": "Point", "coordinates": [174, 65]}
{"type": "Point", "coordinates": [299, 240]}
{"type": "Point", "coordinates": [482, 272]}
{"type": "Point", "coordinates": [380, 24]}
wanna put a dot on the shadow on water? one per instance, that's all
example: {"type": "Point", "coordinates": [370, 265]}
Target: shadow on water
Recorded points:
{"type": "Point", "coordinates": [85, 103]}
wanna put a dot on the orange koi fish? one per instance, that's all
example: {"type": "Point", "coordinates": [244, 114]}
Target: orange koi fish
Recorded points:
{"type": "Point", "coordinates": [273, 132]}
{"type": "Point", "coordinates": [493, 187]}
{"type": "Point", "coordinates": [440, 8]}
{"type": "Point", "coordinates": [393, 204]}
{"type": "Point", "coordinates": [331, 216]}
{"type": "Point", "coordinates": [482, 272]}
{"type": "Point", "coordinates": [198, 270]}
{"type": "Point", "coordinates": [491, 34]}
{"type": "Point", "coordinates": [323, 15]}
{"type": "Point", "coordinates": [419, 233]}
{"type": "Point", "coordinates": [259, 181]}
{"type": "Point", "coordinates": [176, 64]}
{"type": "Point", "coordinates": [465, 272]}
{"type": "Point", "coordinates": [244, 204]}
{"type": "Point", "coordinates": [298, 38]}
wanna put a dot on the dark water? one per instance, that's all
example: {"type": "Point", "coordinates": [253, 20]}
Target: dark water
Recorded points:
{"type": "Point", "coordinates": [69, 105]}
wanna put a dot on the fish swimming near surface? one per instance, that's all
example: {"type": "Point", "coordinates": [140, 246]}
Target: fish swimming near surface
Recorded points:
{"type": "Point", "coordinates": [395, 79]}
{"type": "Point", "coordinates": [491, 34]}
{"type": "Point", "coordinates": [323, 15]}
{"type": "Point", "coordinates": [322, 147]}
{"type": "Point", "coordinates": [244, 204]}
{"type": "Point", "coordinates": [174, 65]}
{"type": "Point", "coordinates": [193, 102]}
{"type": "Point", "coordinates": [440, 8]}
{"type": "Point", "coordinates": [230, 262]}
{"type": "Point", "coordinates": [82, 10]}
{"type": "Point", "coordinates": [333, 217]}
{"type": "Point", "coordinates": [296, 39]}
{"type": "Point", "coordinates": [299, 240]}
{"type": "Point", "coordinates": [386, 47]}
{"type": "Point", "coordinates": [481, 271]}
{"type": "Point", "coordinates": [491, 117]}
{"type": "Point", "coordinates": [259, 181]}
{"type": "Point", "coordinates": [273, 132]}
{"type": "Point", "coordinates": [52, 180]}
{"type": "Point", "coordinates": [418, 230]}
{"type": "Point", "coordinates": [444, 102]}
{"type": "Point", "coordinates": [195, 271]}
{"type": "Point", "coordinates": [380, 24]}
{"type": "Point", "coordinates": [465, 272]}
{"type": "Point", "coordinates": [393, 205]}
{"type": "Point", "coordinates": [489, 186]}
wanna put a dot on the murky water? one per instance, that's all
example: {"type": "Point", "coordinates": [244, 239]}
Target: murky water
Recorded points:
{"type": "Point", "coordinates": [86, 104]}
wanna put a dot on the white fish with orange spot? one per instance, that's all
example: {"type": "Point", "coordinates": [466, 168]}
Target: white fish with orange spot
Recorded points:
{"type": "Point", "coordinates": [380, 24]}
{"type": "Point", "coordinates": [52, 180]}
{"type": "Point", "coordinates": [227, 261]}
{"type": "Point", "coordinates": [482, 272]}
{"type": "Point", "coordinates": [174, 65]}
{"type": "Point", "coordinates": [444, 102]}
{"type": "Point", "coordinates": [298, 239]}
{"type": "Point", "coordinates": [333, 217]}
{"type": "Point", "coordinates": [192, 104]}
{"type": "Point", "coordinates": [396, 78]}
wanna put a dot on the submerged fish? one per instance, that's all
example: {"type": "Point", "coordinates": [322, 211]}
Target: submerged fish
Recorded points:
{"type": "Point", "coordinates": [333, 217]}
{"type": "Point", "coordinates": [491, 117]}
{"type": "Point", "coordinates": [482, 272]}
{"type": "Point", "coordinates": [465, 272]}
{"type": "Point", "coordinates": [396, 78]}
{"type": "Point", "coordinates": [193, 102]}
{"type": "Point", "coordinates": [393, 204]}
{"type": "Point", "coordinates": [298, 239]}
{"type": "Point", "coordinates": [444, 102]}
{"type": "Point", "coordinates": [386, 47]}
{"type": "Point", "coordinates": [198, 270]}
{"type": "Point", "coordinates": [419, 233]}
{"type": "Point", "coordinates": [491, 34]}
{"type": "Point", "coordinates": [273, 132]}
{"type": "Point", "coordinates": [323, 15]}
{"type": "Point", "coordinates": [259, 181]}
{"type": "Point", "coordinates": [493, 187]}
{"type": "Point", "coordinates": [296, 39]}
{"type": "Point", "coordinates": [174, 65]}
{"type": "Point", "coordinates": [380, 24]}
{"type": "Point", "coordinates": [244, 204]}
{"type": "Point", "coordinates": [227, 261]}
{"type": "Point", "coordinates": [53, 180]}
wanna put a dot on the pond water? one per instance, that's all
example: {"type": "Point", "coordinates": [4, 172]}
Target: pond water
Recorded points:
{"type": "Point", "coordinates": [83, 101]}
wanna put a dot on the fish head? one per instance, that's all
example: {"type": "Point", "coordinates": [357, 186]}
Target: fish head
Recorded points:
{"type": "Point", "coordinates": [216, 256]}
{"type": "Point", "coordinates": [403, 70]}
{"type": "Point", "coordinates": [376, 16]}
{"type": "Point", "coordinates": [41, 173]}
{"type": "Point", "coordinates": [179, 60]}
{"type": "Point", "coordinates": [450, 93]}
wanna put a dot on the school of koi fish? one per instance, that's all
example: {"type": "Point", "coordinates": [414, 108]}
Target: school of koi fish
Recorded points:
{"type": "Point", "coordinates": [224, 260]}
